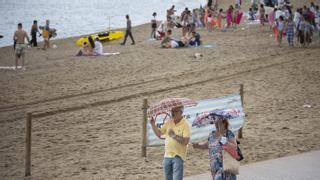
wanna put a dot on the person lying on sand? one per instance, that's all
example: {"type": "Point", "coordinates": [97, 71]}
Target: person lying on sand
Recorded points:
{"type": "Point", "coordinates": [184, 42]}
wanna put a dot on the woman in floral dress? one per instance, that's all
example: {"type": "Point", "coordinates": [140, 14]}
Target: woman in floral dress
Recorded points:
{"type": "Point", "coordinates": [215, 141]}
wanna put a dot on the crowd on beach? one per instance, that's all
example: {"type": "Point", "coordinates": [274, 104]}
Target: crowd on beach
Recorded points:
{"type": "Point", "coordinates": [283, 22]}
{"type": "Point", "coordinates": [208, 17]}
{"type": "Point", "coordinates": [301, 25]}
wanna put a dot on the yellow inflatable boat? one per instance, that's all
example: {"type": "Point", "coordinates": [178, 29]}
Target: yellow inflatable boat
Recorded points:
{"type": "Point", "coordinates": [103, 36]}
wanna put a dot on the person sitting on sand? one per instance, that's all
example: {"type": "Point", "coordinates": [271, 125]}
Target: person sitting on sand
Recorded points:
{"type": "Point", "coordinates": [87, 48]}
{"type": "Point", "coordinates": [99, 49]}
{"type": "Point", "coordinates": [195, 39]}
{"type": "Point", "coordinates": [167, 38]}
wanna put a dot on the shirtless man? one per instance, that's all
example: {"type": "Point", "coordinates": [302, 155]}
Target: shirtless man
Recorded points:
{"type": "Point", "coordinates": [19, 36]}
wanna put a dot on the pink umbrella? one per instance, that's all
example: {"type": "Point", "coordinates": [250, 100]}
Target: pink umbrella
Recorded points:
{"type": "Point", "coordinates": [216, 115]}
{"type": "Point", "coordinates": [166, 105]}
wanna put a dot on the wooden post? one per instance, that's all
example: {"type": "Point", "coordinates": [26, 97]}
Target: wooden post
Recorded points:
{"type": "Point", "coordinates": [241, 94]}
{"type": "Point", "coordinates": [144, 128]}
{"type": "Point", "coordinates": [28, 145]}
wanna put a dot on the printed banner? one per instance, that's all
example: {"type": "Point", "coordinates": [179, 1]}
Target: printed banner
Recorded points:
{"type": "Point", "coordinates": [204, 106]}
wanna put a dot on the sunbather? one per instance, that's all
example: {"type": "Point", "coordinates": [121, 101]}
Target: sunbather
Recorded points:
{"type": "Point", "coordinates": [99, 49]}
{"type": "Point", "coordinates": [184, 42]}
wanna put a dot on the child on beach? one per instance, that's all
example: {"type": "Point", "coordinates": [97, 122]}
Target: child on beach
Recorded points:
{"type": "Point", "coordinates": [210, 23]}
{"type": "Point", "coordinates": [229, 16]}
{"type": "Point", "coordinates": [252, 15]}
{"type": "Point", "coordinates": [290, 31]}
{"type": "Point", "coordinates": [238, 16]}
{"type": "Point", "coordinates": [271, 17]}
{"type": "Point", "coordinates": [219, 19]}
{"type": "Point", "coordinates": [153, 25]}
{"type": "Point", "coordinates": [262, 12]}
{"type": "Point", "coordinates": [280, 27]}
{"type": "Point", "coordinates": [45, 35]}
{"type": "Point", "coordinates": [235, 16]}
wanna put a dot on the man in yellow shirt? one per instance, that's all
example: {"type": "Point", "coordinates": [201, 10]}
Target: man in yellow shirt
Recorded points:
{"type": "Point", "coordinates": [177, 135]}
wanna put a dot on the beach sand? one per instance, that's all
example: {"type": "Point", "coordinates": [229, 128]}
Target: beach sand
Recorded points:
{"type": "Point", "coordinates": [88, 109]}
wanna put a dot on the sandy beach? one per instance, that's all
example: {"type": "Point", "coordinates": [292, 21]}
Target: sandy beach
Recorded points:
{"type": "Point", "coordinates": [88, 115]}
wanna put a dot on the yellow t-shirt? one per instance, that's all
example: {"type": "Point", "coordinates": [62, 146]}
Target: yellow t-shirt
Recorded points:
{"type": "Point", "coordinates": [173, 147]}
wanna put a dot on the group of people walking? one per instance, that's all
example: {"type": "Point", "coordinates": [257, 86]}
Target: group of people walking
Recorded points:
{"type": "Point", "coordinates": [301, 24]}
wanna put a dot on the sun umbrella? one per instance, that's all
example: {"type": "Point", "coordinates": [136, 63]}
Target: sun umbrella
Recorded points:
{"type": "Point", "coordinates": [216, 115]}
{"type": "Point", "coordinates": [166, 105]}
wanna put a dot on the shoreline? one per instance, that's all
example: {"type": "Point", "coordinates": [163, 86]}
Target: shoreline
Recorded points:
{"type": "Point", "coordinates": [77, 37]}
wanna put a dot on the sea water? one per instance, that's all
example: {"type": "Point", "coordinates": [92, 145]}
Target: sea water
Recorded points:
{"type": "Point", "coordinates": [79, 17]}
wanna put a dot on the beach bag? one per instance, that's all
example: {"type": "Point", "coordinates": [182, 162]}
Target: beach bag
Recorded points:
{"type": "Point", "coordinates": [234, 152]}
{"type": "Point", "coordinates": [231, 150]}
{"type": "Point", "coordinates": [230, 164]}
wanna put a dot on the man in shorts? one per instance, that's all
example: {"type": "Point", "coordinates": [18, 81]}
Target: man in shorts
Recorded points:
{"type": "Point", "coordinates": [19, 36]}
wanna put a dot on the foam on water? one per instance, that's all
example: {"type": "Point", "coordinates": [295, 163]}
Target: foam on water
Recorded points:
{"type": "Point", "coordinates": [78, 17]}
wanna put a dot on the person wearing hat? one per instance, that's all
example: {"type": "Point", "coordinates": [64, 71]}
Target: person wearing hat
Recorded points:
{"type": "Point", "coordinates": [177, 136]}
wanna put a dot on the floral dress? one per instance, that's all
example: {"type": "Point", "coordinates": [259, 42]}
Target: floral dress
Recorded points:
{"type": "Point", "coordinates": [215, 156]}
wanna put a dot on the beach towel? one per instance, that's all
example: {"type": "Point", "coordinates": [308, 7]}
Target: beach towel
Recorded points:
{"type": "Point", "coordinates": [209, 46]}
{"type": "Point", "coordinates": [205, 46]}
{"type": "Point", "coordinates": [10, 67]}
